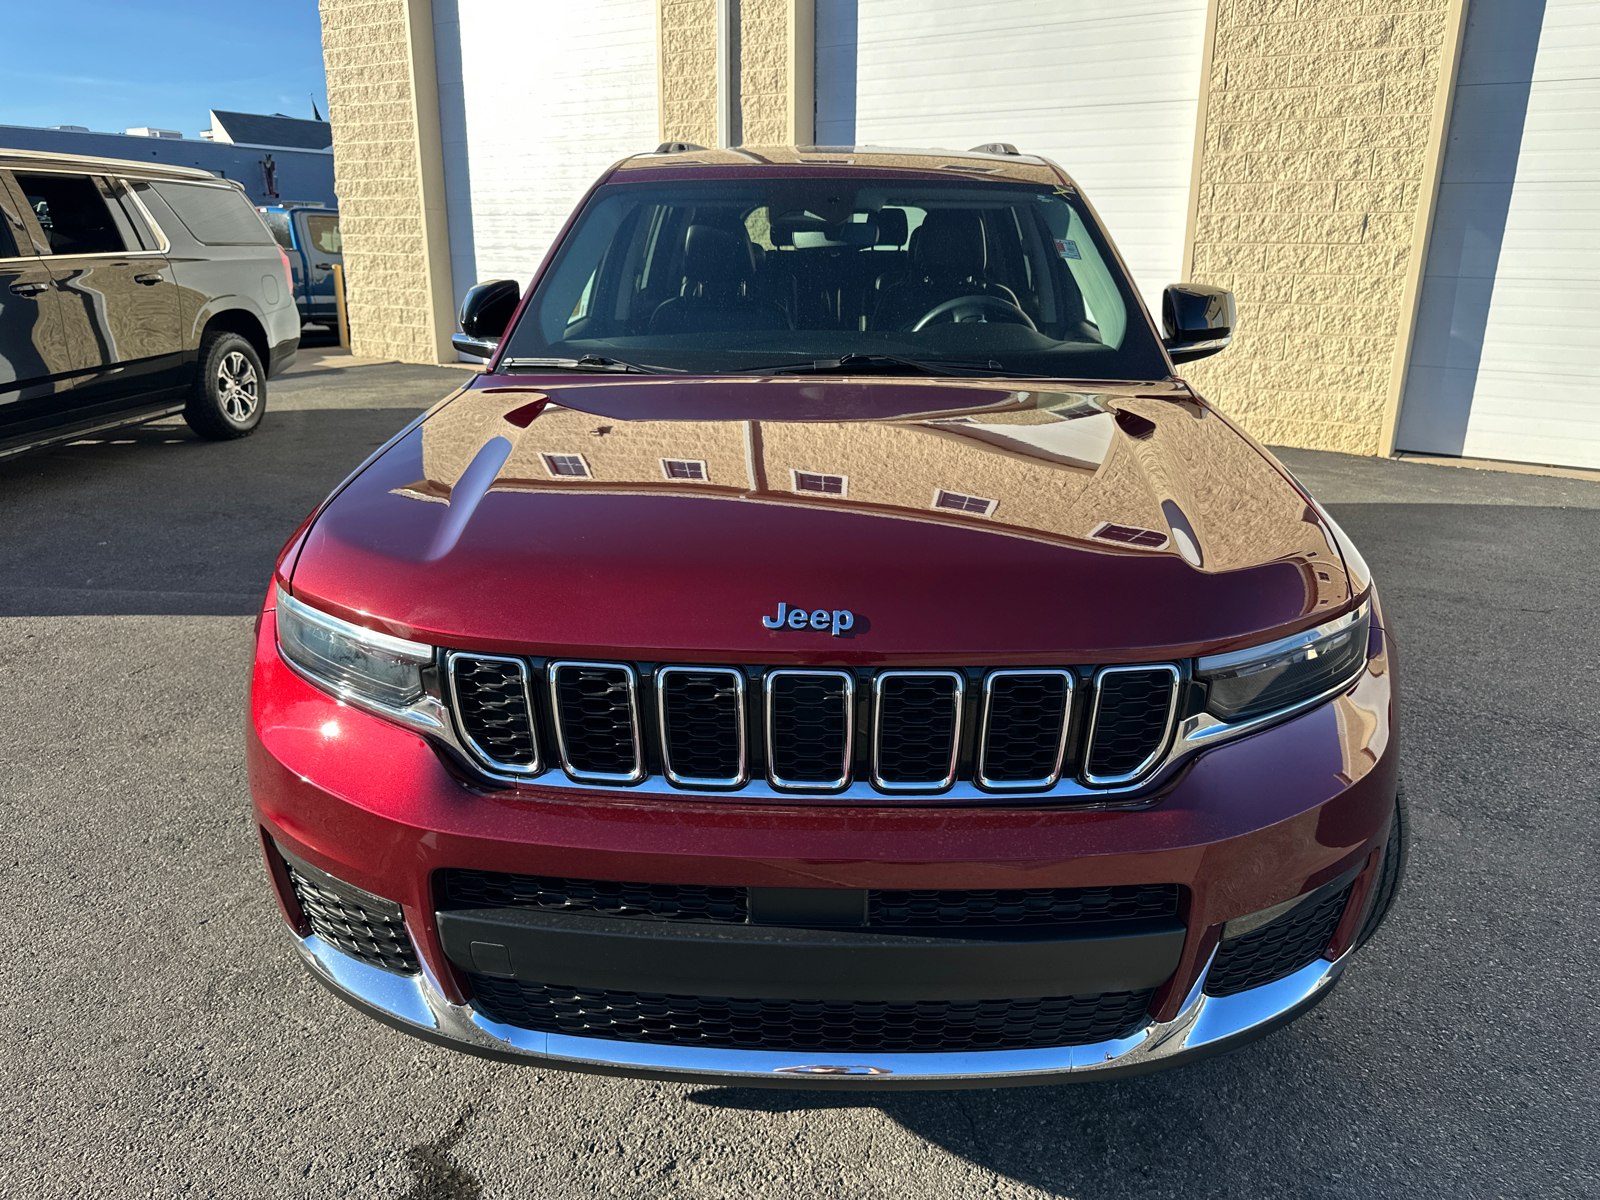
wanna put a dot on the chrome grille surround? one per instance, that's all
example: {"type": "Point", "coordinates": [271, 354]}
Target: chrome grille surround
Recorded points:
{"type": "Point", "coordinates": [1069, 686]}
{"type": "Point", "coordinates": [958, 695]}
{"type": "Point", "coordinates": [558, 715]}
{"type": "Point", "coordinates": [1160, 746]}
{"type": "Point", "coordinates": [742, 776]}
{"type": "Point", "coordinates": [535, 767]}
{"type": "Point", "coordinates": [847, 683]}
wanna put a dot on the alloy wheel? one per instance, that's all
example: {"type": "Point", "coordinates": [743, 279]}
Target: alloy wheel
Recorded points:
{"type": "Point", "coordinates": [238, 387]}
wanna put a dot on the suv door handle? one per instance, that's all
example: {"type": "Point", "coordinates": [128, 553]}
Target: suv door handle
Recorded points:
{"type": "Point", "coordinates": [148, 280]}
{"type": "Point", "coordinates": [324, 266]}
{"type": "Point", "coordinates": [29, 289]}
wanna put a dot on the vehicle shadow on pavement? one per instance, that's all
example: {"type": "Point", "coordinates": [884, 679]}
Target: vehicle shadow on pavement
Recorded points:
{"type": "Point", "coordinates": [153, 520]}
{"type": "Point", "coordinates": [1090, 1141]}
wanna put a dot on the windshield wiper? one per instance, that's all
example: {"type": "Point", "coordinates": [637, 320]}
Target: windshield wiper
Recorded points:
{"type": "Point", "coordinates": [876, 362]}
{"type": "Point", "coordinates": [589, 362]}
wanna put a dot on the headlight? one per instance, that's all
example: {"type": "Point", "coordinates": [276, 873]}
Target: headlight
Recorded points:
{"type": "Point", "coordinates": [1263, 679]}
{"type": "Point", "coordinates": [351, 660]}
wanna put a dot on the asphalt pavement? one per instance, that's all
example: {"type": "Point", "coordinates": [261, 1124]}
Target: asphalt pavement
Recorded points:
{"type": "Point", "coordinates": [161, 1040]}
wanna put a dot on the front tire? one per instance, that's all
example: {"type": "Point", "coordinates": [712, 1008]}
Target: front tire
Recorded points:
{"type": "Point", "coordinates": [230, 393]}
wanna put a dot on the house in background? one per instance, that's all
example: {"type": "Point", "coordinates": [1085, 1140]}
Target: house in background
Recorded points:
{"type": "Point", "coordinates": [1401, 194]}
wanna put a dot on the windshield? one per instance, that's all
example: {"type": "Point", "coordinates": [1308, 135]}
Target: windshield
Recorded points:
{"type": "Point", "coordinates": [752, 276]}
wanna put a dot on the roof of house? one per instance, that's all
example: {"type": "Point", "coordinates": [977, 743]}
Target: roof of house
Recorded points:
{"type": "Point", "coordinates": [255, 129]}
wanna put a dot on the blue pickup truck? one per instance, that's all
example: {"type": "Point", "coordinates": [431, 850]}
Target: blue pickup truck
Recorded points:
{"type": "Point", "coordinates": [309, 234]}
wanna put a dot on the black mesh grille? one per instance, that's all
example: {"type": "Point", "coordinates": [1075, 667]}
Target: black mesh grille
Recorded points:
{"type": "Point", "coordinates": [492, 705]}
{"type": "Point", "coordinates": [700, 711]}
{"type": "Point", "coordinates": [1026, 716]}
{"type": "Point", "coordinates": [461, 888]}
{"type": "Point", "coordinates": [809, 728]}
{"type": "Point", "coordinates": [917, 728]}
{"type": "Point", "coordinates": [802, 1025]}
{"type": "Point", "coordinates": [595, 710]}
{"type": "Point", "coordinates": [1031, 906]}
{"type": "Point", "coordinates": [1278, 948]}
{"type": "Point", "coordinates": [362, 925]}
{"type": "Point", "coordinates": [1130, 723]}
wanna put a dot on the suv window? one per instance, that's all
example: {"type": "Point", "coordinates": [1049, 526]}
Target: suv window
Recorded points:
{"type": "Point", "coordinates": [72, 213]}
{"type": "Point", "coordinates": [324, 234]}
{"type": "Point", "coordinates": [278, 225]}
{"type": "Point", "coordinates": [216, 214]}
{"type": "Point", "coordinates": [729, 276]}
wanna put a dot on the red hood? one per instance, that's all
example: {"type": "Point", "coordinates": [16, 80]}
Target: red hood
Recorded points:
{"type": "Point", "coordinates": [463, 534]}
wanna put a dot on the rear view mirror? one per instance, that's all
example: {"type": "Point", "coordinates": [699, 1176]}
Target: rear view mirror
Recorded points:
{"type": "Point", "coordinates": [485, 313]}
{"type": "Point", "coordinates": [1198, 320]}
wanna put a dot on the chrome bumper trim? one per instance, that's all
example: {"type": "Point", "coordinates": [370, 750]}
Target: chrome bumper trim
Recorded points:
{"type": "Point", "coordinates": [1205, 1024]}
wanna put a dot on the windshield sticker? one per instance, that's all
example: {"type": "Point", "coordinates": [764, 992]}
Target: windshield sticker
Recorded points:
{"type": "Point", "coordinates": [1067, 248]}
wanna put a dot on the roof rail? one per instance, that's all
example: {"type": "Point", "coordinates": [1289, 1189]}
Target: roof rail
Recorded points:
{"type": "Point", "coordinates": [677, 147]}
{"type": "Point", "coordinates": [995, 148]}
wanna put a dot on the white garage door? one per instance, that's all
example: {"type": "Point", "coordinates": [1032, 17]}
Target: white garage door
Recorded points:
{"type": "Point", "coordinates": [1508, 333]}
{"type": "Point", "coordinates": [1109, 91]}
{"type": "Point", "coordinates": [552, 94]}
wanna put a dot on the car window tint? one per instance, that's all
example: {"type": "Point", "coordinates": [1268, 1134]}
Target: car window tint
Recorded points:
{"type": "Point", "coordinates": [324, 234]}
{"type": "Point", "coordinates": [8, 244]}
{"type": "Point", "coordinates": [278, 224]}
{"type": "Point", "coordinates": [216, 214]}
{"type": "Point", "coordinates": [72, 213]}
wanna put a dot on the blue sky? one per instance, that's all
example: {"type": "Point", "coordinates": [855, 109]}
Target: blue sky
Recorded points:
{"type": "Point", "coordinates": [114, 64]}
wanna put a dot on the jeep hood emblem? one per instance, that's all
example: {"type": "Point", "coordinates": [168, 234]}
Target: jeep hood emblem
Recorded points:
{"type": "Point", "coordinates": [837, 620]}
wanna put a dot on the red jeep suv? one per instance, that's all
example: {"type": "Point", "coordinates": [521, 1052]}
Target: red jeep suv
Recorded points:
{"type": "Point", "coordinates": [828, 645]}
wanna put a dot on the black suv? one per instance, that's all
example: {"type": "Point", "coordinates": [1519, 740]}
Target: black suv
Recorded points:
{"type": "Point", "coordinates": [130, 291]}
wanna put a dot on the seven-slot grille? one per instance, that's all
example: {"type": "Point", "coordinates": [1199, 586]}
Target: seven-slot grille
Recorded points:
{"type": "Point", "coordinates": [1133, 709]}
{"type": "Point", "coordinates": [701, 711]}
{"type": "Point", "coordinates": [814, 730]}
{"type": "Point", "coordinates": [809, 734]}
{"type": "Point", "coordinates": [496, 709]}
{"type": "Point", "coordinates": [597, 721]}
{"type": "Point", "coordinates": [916, 729]}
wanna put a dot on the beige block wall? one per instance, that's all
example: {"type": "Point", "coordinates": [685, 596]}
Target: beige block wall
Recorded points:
{"type": "Point", "coordinates": [764, 71]}
{"type": "Point", "coordinates": [687, 70]}
{"type": "Point", "coordinates": [1316, 175]}
{"type": "Point", "coordinates": [388, 174]}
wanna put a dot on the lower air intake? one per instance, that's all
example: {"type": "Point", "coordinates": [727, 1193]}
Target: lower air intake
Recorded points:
{"type": "Point", "coordinates": [854, 1026]}
{"type": "Point", "coordinates": [1279, 948]}
{"type": "Point", "coordinates": [1026, 906]}
{"type": "Point", "coordinates": [362, 925]}
{"type": "Point", "coordinates": [461, 887]}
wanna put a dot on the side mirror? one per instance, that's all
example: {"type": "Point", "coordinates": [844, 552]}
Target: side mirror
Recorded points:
{"type": "Point", "coordinates": [485, 313]}
{"type": "Point", "coordinates": [1199, 320]}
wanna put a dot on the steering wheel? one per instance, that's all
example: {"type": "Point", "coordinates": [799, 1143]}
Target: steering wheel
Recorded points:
{"type": "Point", "coordinates": [975, 305]}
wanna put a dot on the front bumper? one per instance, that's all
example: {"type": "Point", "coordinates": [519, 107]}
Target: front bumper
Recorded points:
{"type": "Point", "coordinates": [1203, 1025]}
{"type": "Point", "coordinates": [1249, 825]}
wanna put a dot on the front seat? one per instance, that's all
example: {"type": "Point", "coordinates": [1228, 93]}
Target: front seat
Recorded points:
{"type": "Point", "coordinates": [718, 268]}
{"type": "Point", "coordinates": [948, 259]}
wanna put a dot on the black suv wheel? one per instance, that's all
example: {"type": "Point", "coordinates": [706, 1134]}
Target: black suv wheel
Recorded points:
{"type": "Point", "coordinates": [230, 393]}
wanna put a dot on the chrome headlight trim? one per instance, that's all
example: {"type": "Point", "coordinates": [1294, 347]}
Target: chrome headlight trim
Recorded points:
{"type": "Point", "coordinates": [1277, 663]}
{"type": "Point", "coordinates": [428, 714]}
